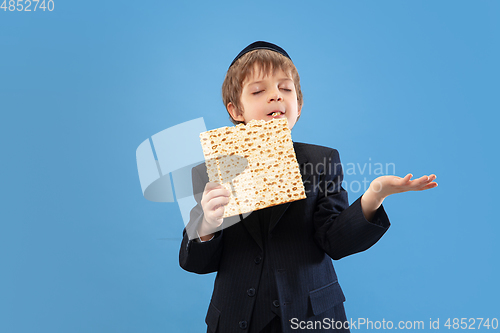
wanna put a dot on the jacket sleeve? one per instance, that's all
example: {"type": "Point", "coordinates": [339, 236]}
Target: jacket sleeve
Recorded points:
{"type": "Point", "coordinates": [340, 229]}
{"type": "Point", "coordinates": [195, 256]}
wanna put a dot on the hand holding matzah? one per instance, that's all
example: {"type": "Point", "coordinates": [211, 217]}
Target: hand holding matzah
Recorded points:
{"type": "Point", "coordinates": [255, 162]}
{"type": "Point", "coordinates": [215, 197]}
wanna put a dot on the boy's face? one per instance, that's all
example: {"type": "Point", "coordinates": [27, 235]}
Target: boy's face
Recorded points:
{"type": "Point", "coordinates": [267, 97]}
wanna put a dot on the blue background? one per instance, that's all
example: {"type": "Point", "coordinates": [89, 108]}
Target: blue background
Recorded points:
{"type": "Point", "coordinates": [414, 83]}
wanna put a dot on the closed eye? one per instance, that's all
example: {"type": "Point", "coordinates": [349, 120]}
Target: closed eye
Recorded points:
{"type": "Point", "coordinates": [257, 92]}
{"type": "Point", "coordinates": [286, 89]}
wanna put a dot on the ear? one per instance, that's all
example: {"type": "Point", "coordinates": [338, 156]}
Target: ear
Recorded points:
{"type": "Point", "coordinates": [233, 111]}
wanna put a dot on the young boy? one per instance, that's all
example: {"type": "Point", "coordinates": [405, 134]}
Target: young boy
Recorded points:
{"type": "Point", "coordinates": [274, 269]}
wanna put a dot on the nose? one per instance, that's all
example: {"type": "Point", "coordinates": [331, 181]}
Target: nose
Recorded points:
{"type": "Point", "coordinates": [275, 96]}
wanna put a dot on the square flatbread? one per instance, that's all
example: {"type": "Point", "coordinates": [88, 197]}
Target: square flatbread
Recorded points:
{"type": "Point", "coordinates": [255, 162]}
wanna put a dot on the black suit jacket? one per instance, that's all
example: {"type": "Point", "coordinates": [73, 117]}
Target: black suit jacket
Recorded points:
{"type": "Point", "coordinates": [303, 238]}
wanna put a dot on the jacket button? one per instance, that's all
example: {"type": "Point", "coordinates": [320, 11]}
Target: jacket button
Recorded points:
{"type": "Point", "coordinates": [276, 303]}
{"type": "Point", "coordinates": [251, 292]}
{"type": "Point", "coordinates": [243, 324]}
{"type": "Point", "coordinates": [258, 260]}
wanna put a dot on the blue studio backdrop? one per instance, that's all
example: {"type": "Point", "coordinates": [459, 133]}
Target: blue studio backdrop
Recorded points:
{"type": "Point", "coordinates": [408, 85]}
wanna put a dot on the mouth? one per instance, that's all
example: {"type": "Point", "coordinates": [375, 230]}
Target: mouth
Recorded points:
{"type": "Point", "coordinates": [276, 113]}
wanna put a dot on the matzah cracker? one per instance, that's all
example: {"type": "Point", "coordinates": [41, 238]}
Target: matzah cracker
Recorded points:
{"type": "Point", "coordinates": [255, 162]}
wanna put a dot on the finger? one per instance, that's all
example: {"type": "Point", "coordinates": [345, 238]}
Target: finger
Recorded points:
{"type": "Point", "coordinates": [420, 181]}
{"type": "Point", "coordinates": [404, 181]}
{"type": "Point", "coordinates": [414, 185]}
{"type": "Point", "coordinates": [212, 185]}
{"type": "Point", "coordinates": [217, 192]}
{"type": "Point", "coordinates": [429, 186]}
{"type": "Point", "coordinates": [219, 212]}
{"type": "Point", "coordinates": [214, 203]}
{"type": "Point", "coordinates": [425, 186]}
{"type": "Point", "coordinates": [209, 187]}
{"type": "Point", "coordinates": [217, 189]}
{"type": "Point", "coordinates": [430, 178]}
{"type": "Point", "coordinates": [216, 216]}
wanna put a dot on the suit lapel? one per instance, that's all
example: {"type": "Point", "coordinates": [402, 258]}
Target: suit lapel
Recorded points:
{"type": "Point", "coordinates": [251, 223]}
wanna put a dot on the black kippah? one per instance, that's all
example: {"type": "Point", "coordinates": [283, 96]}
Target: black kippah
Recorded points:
{"type": "Point", "coordinates": [261, 45]}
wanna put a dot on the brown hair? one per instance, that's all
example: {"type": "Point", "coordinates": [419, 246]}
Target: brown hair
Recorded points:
{"type": "Point", "coordinates": [268, 62]}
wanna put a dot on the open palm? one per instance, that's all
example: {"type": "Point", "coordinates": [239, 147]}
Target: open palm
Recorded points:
{"type": "Point", "coordinates": [387, 185]}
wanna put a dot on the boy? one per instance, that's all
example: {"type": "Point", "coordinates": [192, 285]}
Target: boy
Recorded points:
{"type": "Point", "coordinates": [274, 269]}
